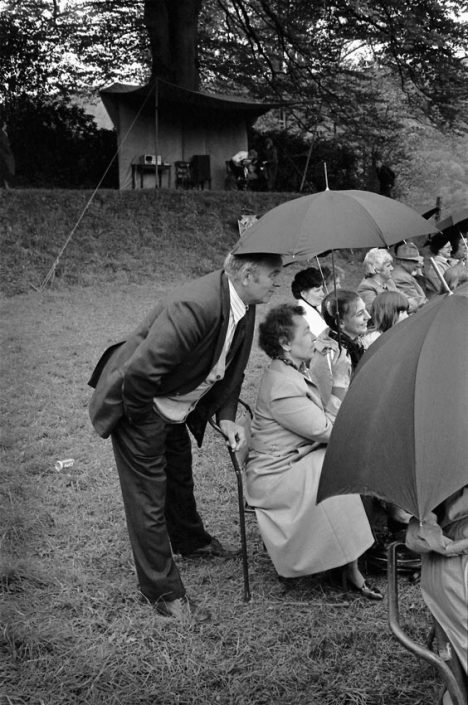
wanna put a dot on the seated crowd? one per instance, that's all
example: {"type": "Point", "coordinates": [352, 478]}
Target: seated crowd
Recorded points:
{"type": "Point", "coordinates": [314, 346]}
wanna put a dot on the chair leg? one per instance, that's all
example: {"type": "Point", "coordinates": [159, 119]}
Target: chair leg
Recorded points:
{"type": "Point", "coordinates": [445, 672]}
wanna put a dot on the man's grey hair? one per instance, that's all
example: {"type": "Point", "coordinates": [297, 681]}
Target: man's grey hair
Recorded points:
{"type": "Point", "coordinates": [237, 266]}
{"type": "Point", "coordinates": [375, 258]}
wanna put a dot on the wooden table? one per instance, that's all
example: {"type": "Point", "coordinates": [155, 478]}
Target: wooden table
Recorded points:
{"type": "Point", "coordinates": [142, 169]}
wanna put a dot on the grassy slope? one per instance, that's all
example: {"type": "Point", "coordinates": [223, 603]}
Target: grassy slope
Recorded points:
{"type": "Point", "coordinates": [122, 237]}
{"type": "Point", "coordinates": [73, 629]}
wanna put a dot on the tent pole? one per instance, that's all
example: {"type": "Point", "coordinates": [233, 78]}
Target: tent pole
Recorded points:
{"type": "Point", "coordinates": [156, 132]}
{"type": "Point", "coordinates": [306, 166]}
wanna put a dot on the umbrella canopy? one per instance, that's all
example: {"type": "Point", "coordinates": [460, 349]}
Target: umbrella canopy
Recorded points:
{"type": "Point", "coordinates": [402, 431]}
{"type": "Point", "coordinates": [310, 225]}
{"type": "Point", "coordinates": [458, 218]}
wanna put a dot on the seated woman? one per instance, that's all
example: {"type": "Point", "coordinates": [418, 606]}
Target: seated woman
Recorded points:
{"type": "Point", "coordinates": [308, 288]}
{"type": "Point", "coordinates": [387, 308]}
{"type": "Point", "coordinates": [378, 268]}
{"type": "Point", "coordinates": [442, 539]}
{"type": "Point", "coordinates": [440, 251]}
{"type": "Point", "coordinates": [290, 430]}
{"type": "Point", "coordinates": [346, 316]}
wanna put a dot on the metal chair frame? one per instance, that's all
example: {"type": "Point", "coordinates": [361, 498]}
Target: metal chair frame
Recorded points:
{"type": "Point", "coordinates": [238, 459]}
{"type": "Point", "coordinates": [457, 690]}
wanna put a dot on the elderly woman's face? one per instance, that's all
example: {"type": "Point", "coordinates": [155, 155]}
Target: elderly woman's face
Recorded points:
{"type": "Point", "coordinates": [385, 269]}
{"type": "Point", "coordinates": [301, 345]}
{"type": "Point", "coordinates": [354, 322]}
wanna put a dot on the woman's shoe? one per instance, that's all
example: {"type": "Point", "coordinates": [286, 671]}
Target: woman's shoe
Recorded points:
{"type": "Point", "coordinates": [369, 591]}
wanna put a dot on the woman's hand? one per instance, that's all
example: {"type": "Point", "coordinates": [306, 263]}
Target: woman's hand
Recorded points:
{"type": "Point", "coordinates": [341, 369]}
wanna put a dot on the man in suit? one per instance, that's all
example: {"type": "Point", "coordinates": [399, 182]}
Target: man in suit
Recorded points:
{"type": "Point", "coordinates": [184, 363]}
{"type": "Point", "coordinates": [407, 266]}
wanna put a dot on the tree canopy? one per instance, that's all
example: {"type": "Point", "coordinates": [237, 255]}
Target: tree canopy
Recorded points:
{"type": "Point", "coordinates": [349, 70]}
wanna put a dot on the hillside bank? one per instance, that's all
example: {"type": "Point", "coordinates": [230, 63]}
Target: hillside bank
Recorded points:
{"type": "Point", "coordinates": [123, 236]}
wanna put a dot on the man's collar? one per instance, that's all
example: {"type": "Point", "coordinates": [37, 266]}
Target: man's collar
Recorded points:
{"type": "Point", "coordinates": [238, 307]}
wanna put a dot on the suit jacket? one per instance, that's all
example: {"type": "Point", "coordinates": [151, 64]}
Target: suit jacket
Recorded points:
{"type": "Point", "coordinates": [369, 288]}
{"type": "Point", "coordinates": [171, 353]}
{"type": "Point", "coordinates": [407, 285]}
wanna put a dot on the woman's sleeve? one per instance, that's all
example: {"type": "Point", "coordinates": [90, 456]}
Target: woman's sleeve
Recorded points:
{"type": "Point", "coordinates": [299, 414]}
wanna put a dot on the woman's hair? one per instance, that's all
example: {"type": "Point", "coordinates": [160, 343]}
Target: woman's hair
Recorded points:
{"type": "Point", "coordinates": [385, 309]}
{"type": "Point", "coordinates": [437, 242]}
{"type": "Point", "coordinates": [277, 326]}
{"type": "Point", "coordinates": [337, 306]}
{"type": "Point", "coordinates": [305, 279]}
{"type": "Point", "coordinates": [375, 258]}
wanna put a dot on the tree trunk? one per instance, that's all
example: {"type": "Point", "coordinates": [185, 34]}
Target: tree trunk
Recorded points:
{"type": "Point", "coordinates": [172, 26]}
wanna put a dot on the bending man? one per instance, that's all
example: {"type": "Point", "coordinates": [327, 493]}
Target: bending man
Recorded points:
{"type": "Point", "coordinates": [183, 364]}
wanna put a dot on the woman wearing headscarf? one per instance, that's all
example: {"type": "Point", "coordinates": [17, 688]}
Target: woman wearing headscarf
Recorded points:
{"type": "Point", "coordinates": [440, 251]}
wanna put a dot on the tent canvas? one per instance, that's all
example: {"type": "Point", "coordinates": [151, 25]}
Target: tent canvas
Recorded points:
{"type": "Point", "coordinates": [163, 119]}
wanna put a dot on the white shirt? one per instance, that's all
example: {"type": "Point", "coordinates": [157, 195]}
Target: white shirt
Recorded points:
{"type": "Point", "coordinates": [316, 323]}
{"type": "Point", "coordinates": [175, 409]}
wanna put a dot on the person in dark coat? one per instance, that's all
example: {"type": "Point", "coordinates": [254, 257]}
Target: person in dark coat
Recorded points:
{"type": "Point", "coordinates": [183, 364]}
{"type": "Point", "coordinates": [386, 177]}
{"type": "Point", "coordinates": [7, 160]}
{"type": "Point", "coordinates": [271, 167]}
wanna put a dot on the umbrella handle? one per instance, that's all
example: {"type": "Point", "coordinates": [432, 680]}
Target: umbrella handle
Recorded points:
{"type": "Point", "coordinates": [439, 274]}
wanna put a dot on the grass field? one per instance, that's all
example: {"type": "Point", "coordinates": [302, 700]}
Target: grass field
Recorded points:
{"type": "Point", "coordinates": [73, 628]}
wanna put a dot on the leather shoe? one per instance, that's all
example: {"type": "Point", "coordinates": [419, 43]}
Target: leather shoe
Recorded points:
{"type": "Point", "coordinates": [368, 591]}
{"type": "Point", "coordinates": [183, 610]}
{"type": "Point", "coordinates": [212, 550]}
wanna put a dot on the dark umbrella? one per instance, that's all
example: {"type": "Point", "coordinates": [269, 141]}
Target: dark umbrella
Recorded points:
{"type": "Point", "coordinates": [332, 220]}
{"type": "Point", "coordinates": [402, 431]}
{"type": "Point", "coordinates": [457, 219]}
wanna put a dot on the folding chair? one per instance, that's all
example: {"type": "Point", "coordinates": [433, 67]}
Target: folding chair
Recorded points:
{"type": "Point", "coordinates": [448, 667]}
{"type": "Point", "coordinates": [183, 176]}
{"type": "Point", "coordinates": [239, 459]}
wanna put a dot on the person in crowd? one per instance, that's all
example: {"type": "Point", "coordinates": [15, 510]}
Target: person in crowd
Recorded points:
{"type": "Point", "coordinates": [387, 308]}
{"type": "Point", "coordinates": [7, 160]}
{"type": "Point", "coordinates": [184, 363]}
{"type": "Point", "coordinates": [378, 268]}
{"type": "Point", "coordinates": [308, 288]}
{"type": "Point", "coordinates": [407, 267]}
{"type": "Point", "coordinates": [386, 177]}
{"type": "Point", "coordinates": [271, 167]}
{"type": "Point", "coordinates": [346, 316]}
{"type": "Point", "coordinates": [334, 278]}
{"type": "Point", "coordinates": [456, 276]}
{"type": "Point", "coordinates": [442, 539]}
{"type": "Point", "coordinates": [459, 249]}
{"type": "Point", "coordinates": [244, 167]}
{"type": "Point", "coordinates": [290, 430]}
{"type": "Point", "coordinates": [440, 251]}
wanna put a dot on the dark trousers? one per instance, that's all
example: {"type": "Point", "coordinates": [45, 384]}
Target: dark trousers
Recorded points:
{"type": "Point", "coordinates": [154, 460]}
